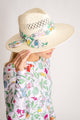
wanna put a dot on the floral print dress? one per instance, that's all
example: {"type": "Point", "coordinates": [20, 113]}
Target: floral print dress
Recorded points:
{"type": "Point", "coordinates": [28, 92]}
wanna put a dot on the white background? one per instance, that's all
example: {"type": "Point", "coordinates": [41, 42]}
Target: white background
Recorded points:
{"type": "Point", "coordinates": [65, 60]}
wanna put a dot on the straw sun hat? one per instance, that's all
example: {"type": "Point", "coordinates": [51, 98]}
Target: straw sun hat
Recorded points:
{"type": "Point", "coordinates": [38, 32]}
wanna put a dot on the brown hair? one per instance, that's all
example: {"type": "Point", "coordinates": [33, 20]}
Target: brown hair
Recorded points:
{"type": "Point", "coordinates": [13, 55]}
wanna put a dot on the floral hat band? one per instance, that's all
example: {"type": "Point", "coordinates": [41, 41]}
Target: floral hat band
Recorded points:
{"type": "Point", "coordinates": [30, 40]}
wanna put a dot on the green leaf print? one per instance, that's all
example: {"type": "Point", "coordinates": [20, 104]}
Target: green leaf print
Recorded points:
{"type": "Point", "coordinates": [11, 99]}
{"type": "Point", "coordinates": [23, 76]}
{"type": "Point", "coordinates": [6, 98]}
{"type": "Point", "coordinates": [36, 69]}
{"type": "Point", "coordinates": [36, 116]}
{"type": "Point", "coordinates": [46, 93]}
{"type": "Point", "coordinates": [29, 92]}
{"type": "Point", "coordinates": [6, 92]}
{"type": "Point", "coordinates": [10, 91]}
{"type": "Point", "coordinates": [12, 106]}
{"type": "Point", "coordinates": [45, 82]}
{"type": "Point", "coordinates": [4, 73]}
{"type": "Point", "coordinates": [8, 104]}
{"type": "Point", "coordinates": [32, 46]}
{"type": "Point", "coordinates": [32, 118]}
{"type": "Point", "coordinates": [21, 81]}
{"type": "Point", "coordinates": [32, 68]}
{"type": "Point", "coordinates": [40, 65]}
{"type": "Point", "coordinates": [14, 74]}
{"type": "Point", "coordinates": [27, 101]}
{"type": "Point", "coordinates": [36, 75]}
{"type": "Point", "coordinates": [35, 106]}
{"type": "Point", "coordinates": [39, 118]}
{"type": "Point", "coordinates": [32, 104]}
{"type": "Point", "coordinates": [28, 73]}
{"type": "Point", "coordinates": [10, 110]}
{"type": "Point", "coordinates": [14, 116]}
{"type": "Point", "coordinates": [33, 79]}
{"type": "Point", "coordinates": [13, 65]}
{"type": "Point", "coordinates": [48, 119]}
{"type": "Point", "coordinates": [15, 92]}
{"type": "Point", "coordinates": [28, 104]}
{"type": "Point", "coordinates": [35, 91]}
{"type": "Point", "coordinates": [28, 78]}
{"type": "Point", "coordinates": [46, 87]}
{"type": "Point", "coordinates": [41, 83]}
{"type": "Point", "coordinates": [6, 112]}
{"type": "Point", "coordinates": [8, 81]}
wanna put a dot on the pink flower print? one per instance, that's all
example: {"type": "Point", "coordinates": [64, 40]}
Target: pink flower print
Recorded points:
{"type": "Point", "coordinates": [18, 111]}
{"type": "Point", "coordinates": [14, 101]}
{"type": "Point", "coordinates": [48, 76]}
{"type": "Point", "coordinates": [9, 64]}
{"type": "Point", "coordinates": [34, 98]}
{"type": "Point", "coordinates": [27, 106]}
{"type": "Point", "coordinates": [20, 115]}
{"type": "Point", "coordinates": [43, 98]}
{"type": "Point", "coordinates": [29, 85]}
{"type": "Point", "coordinates": [32, 74]}
{"type": "Point", "coordinates": [9, 118]}
{"type": "Point", "coordinates": [46, 71]}
{"type": "Point", "coordinates": [23, 111]}
{"type": "Point", "coordinates": [9, 69]}
{"type": "Point", "coordinates": [46, 116]}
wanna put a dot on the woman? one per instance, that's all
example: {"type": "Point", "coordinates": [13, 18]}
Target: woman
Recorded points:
{"type": "Point", "coordinates": [27, 81]}
{"type": "Point", "coordinates": [20, 64]}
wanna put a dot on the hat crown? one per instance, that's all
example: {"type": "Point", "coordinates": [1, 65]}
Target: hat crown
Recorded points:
{"type": "Point", "coordinates": [33, 20]}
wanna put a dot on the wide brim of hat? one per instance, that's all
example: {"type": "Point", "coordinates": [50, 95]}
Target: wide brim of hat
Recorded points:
{"type": "Point", "coordinates": [61, 33]}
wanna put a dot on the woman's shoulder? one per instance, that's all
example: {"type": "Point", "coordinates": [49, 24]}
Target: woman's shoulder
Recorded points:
{"type": "Point", "coordinates": [9, 67]}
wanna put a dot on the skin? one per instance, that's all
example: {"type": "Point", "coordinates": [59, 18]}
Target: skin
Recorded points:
{"type": "Point", "coordinates": [20, 60]}
{"type": "Point", "coordinates": [42, 54]}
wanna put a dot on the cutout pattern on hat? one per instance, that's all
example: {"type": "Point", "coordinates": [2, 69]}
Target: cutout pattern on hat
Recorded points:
{"type": "Point", "coordinates": [38, 24]}
{"type": "Point", "coordinates": [31, 41]}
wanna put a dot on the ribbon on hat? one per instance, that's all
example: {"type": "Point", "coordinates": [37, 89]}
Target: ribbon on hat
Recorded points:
{"type": "Point", "coordinates": [31, 41]}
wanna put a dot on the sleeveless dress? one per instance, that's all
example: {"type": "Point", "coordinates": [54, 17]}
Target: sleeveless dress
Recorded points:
{"type": "Point", "coordinates": [28, 92]}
